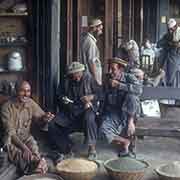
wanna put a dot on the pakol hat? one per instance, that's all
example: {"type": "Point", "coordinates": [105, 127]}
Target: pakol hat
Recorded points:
{"type": "Point", "coordinates": [118, 61]}
{"type": "Point", "coordinates": [75, 67]}
{"type": "Point", "coordinates": [94, 22]}
{"type": "Point", "coordinates": [171, 23]}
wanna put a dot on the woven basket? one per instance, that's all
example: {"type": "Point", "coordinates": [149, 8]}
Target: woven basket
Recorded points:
{"type": "Point", "coordinates": [119, 175]}
{"type": "Point", "coordinates": [77, 175]}
{"type": "Point", "coordinates": [164, 176]}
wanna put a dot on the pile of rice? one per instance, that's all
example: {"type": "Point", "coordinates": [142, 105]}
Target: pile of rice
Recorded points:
{"type": "Point", "coordinates": [171, 169]}
{"type": "Point", "coordinates": [125, 165]}
{"type": "Point", "coordinates": [76, 165]}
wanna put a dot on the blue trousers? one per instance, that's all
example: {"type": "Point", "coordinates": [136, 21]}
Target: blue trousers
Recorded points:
{"type": "Point", "coordinates": [59, 135]}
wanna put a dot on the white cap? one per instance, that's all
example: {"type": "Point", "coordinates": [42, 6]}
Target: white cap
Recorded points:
{"type": "Point", "coordinates": [171, 23]}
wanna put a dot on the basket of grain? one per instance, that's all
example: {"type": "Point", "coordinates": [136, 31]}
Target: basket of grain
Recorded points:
{"type": "Point", "coordinates": [126, 168]}
{"type": "Point", "coordinates": [77, 169]}
{"type": "Point", "coordinates": [170, 171]}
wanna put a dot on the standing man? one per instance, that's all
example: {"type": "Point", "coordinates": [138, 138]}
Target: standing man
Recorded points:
{"type": "Point", "coordinates": [79, 104]}
{"type": "Point", "coordinates": [17, 115]}
{"type": "Point", "coordinates": [89, 52]}
{"type": "Point", "coordinates": [170, 43]}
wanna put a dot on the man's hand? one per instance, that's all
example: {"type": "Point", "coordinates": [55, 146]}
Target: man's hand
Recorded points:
{"type": "Point", "coordinates": [87, 99]}
{"type": "Point", "coordinates": [48, 116]}
{"type": "Point", "coordinates": [131, 128]}
{"type": "Point", "coordinates": [27, 154]}
{"type": "Point", "coordinates": [114, 83]}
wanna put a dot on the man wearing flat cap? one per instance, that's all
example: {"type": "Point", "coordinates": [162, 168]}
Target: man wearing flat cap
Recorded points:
{"type": "Point", "coordinates": [122, 92]}
{"type": "Point", "coordinates": [89, 52]}
{"type": "Point", "coordinates": [78, 108]}
{"type": "Point", "coordinates": [170, 43]}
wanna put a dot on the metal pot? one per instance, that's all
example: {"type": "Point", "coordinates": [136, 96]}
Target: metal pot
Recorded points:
{"type": "Point", "coordinates": [15, 61]}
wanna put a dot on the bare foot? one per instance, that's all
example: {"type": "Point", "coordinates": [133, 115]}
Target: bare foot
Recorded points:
{"type": "Point", "coordinates": [42, 167]}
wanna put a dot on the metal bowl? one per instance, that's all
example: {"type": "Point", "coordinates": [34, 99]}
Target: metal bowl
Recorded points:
{"type": "Point", "coordinates": [166, 175]}
{"type": "Point", "coordinates": [41, 177]}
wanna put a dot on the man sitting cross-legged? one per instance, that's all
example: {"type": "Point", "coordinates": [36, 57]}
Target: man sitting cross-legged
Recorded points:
{"type": "Point", "coordinates": [79, 104]}
{"type": "Point", "coordinates": [17, 115]}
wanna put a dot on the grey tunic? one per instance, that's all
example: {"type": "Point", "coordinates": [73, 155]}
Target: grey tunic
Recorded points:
{"type": "Point", "coordinates": [120, 103]}
{"type": "Point", "coordinates": [17, 119]}
{"type": "Point", "coordinates": [89, 54]}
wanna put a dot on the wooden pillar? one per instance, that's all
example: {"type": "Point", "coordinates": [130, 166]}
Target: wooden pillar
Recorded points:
{"type": "Point", "coordinates": [69, 31]}
{"type": "Point", "coordinates": [108, 28]}
{"type": "Point", "coordinates": [55, 53]}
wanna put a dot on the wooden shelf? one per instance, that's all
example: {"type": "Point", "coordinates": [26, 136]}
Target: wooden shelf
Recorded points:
{"type": "Point", "coordinates": [13, 14]}
{"type": "Point", "coordinates": [19, 44]}
{"type": "Point", "coordinates": [8, 71]}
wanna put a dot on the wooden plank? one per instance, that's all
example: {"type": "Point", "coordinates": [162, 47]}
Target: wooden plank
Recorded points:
{"type": "Point", "coordinates": [108, 28]}
{"type": "Point", "coordinates": [69, 31]}
{"type": "Point", "coordinates": [160, 93]}
{"type": "Point", "coordinates": [158, 127]}
{"type": "Point", "coordinates": [158, 123]}
{"type": "Point", "coordinates": [157, 132]}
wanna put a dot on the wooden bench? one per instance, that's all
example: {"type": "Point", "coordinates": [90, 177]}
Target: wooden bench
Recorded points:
{"type": "Point", "coordinates": [158, 127]}
{"type": "Point", "coordinates": [161, 127]}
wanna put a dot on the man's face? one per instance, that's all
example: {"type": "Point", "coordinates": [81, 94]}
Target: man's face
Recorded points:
{"type": "Point", "coordinates": [77, 76]}
{"type": "Point", "coordinates": [171, 30]}
{"type": "Point", "coordinates": [115, 69]}
{"type": "Point", "coordinates": [24, 92]}
{"type": "Point", "coordinates": [99, 30]}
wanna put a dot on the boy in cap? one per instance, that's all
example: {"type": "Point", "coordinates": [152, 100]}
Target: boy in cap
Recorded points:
{"type": "Point", "coordinates": [89, 52]}
{"type": "Point", "coordinates": [170, 43]}
{"type": "Point", "coordinates": [122, 92]}
{"type": "Point", "coordinates": [79, 105]}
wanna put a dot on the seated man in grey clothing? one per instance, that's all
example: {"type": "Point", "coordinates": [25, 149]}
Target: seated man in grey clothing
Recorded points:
{"type": "Point", "coordinates": [79, 104]}
{"type": "Point", "coordinates": [122, 92]}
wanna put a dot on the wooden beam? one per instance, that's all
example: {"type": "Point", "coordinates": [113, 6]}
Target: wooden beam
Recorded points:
{"type": "Point", "coordinates": [158, 132]}
{"type": "Point", "coordinates": [160, 93]}
{"type": "Point", "coordinates": [108, 28]}
{"type": "Point", "coordinates": [158, 127]}
{"type": "Point", "coordinates": [69, 31]}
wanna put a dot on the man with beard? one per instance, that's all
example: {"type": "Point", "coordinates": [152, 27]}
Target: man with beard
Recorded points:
{"type": "Point", "coordinates": [122, 91]}
{"type": "Point", "coordinates": [89, 52]}
{"type": "Point", "coordinates": [78, 108]}
{"type": "Point", "coordinates": [17, 115]}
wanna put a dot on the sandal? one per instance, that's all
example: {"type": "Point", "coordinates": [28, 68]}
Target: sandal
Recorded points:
{"type": "Point", "coordinates": [124, 154]}
{"type": "Point", "coordinates": [92, 155]}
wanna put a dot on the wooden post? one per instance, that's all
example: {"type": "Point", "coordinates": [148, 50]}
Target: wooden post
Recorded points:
{"type": "Point", "coordinates": [108, 30]}
{"type": "Point", "coordinates": [69, 31]}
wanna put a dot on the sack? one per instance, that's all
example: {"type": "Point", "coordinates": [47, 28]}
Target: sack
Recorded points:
{"type": "Point", "coordinates": [150, 108]}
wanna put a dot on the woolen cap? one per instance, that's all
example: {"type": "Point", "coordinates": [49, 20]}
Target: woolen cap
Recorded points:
{"type": "Point", "coordinates": [75, 67]}
{"type": "Point", "coordinates": [94, 22]}
{"type": "Point", "coordinates": [118, 61]}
